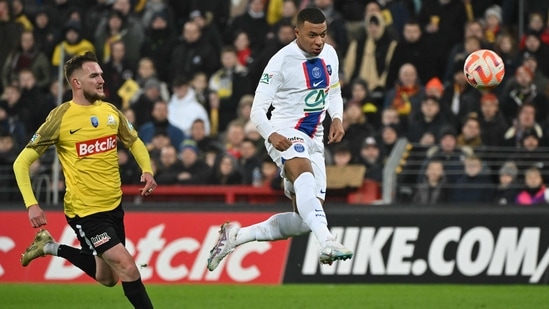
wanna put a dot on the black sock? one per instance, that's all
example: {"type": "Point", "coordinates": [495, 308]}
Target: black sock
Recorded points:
{"type": "Point", "coordinates": [77, 258]}
{"type": "Point", "coordinates": [136, 293]}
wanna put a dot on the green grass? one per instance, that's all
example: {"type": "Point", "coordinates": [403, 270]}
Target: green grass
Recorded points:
{"type": "Point", "coordinates": [409, 296]}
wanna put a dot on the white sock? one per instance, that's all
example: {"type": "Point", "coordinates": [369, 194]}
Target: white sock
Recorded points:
{"type": "Point", "coordinates": [310, 208]}
{"type": "Point", "coordinates": [51, 248]}
{"type": "Point", "coordinates": [277, 227]}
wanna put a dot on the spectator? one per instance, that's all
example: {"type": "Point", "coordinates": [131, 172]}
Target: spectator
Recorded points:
{"type": "Point", "coordinates": [389, 116]}
{"type": "Point", "coordinates": [226, 171]}
{"type": "Point", "coordinates": [459, 98]}
{"type": "Point", "coordinates": [536, 25]}
{"type": "Point", "coordinates": [20, 16]}
{"type": "Point", "coordinates": [130, 30]}
{"type": "Point", "coordinates": [33, 100]}
{"type": "Point", "coordinates": [535, 193]}
{"type": "Point", "coordinates": [241, 44]}
{"type": "Point", "coordinates": [159, 122]}
{"type": "Point", "coordinates": [506, 48]}
{"type": "Point", "coordinates": [540, 81]}
{"type": "Point", "coordinates": [534, 47]}
{"type": "Point", "coordinates": [8, 154]}
{"type": "Point", "coordinates": [204, 142]}
{"type": "Point", "coordinates": [434, 87]}
{"type": "Point", "coordinates": [199, 83]}
{"type": "Point", "coordinates": [192, 54]}
{"type": "Point", "coordinates": [525, 122]}
{"type": "Point", "coordinates": [72, 44]}
{"type": "Point", "coordinates": [168, 166]}
{"type": "Point", "coordinates": [342, 155]}
{"type": "Point", "coordinates": [432, 188]}
{"type": "Point", "coordinates": [449, 154]}
{"type": "Point", "coordinates": [356, 127]}
{"type": "Point", "coordinates": [184, 109]}
{"type": "Point", "coordinates": [249, 160]}
{"type": "Point", "coordinates": [530, 154]}
{"type": "Point", "coordinates": [425, 126]}
{"type": "Point", "coordinates": [146, 71]}
{"type": "Point", "coordinates": [159, 141]}
{"type": "Point", "coordinates": [492, 123]}
{"type": "Point", "coordinates": [143, 106]}
{"type": "Point", "coordinates": [493, 22]}
{"type": "Point", "coordinates": [10, 125]}
{"type": "Point", "coordinates": [117, 73]}
{"type": "Point", "coordinates": [405, 96]}
{"type": "Point", "coordinates": [456, 60]}
{"type": "Point", "coordinates": [234, 137]}
{"type": "Point", "coordinates": [253, 22]}
{"type": "Point", "coordinates": [523, 92]}
{"type": "Point", "coordinates": [359, 95]}
{"type": "Point", "coordinates": [10, 31]}
{"type": "Point", "coordinates": [507, 188]}
{"type": "Point", "coordinates": [45, 32]}
{"type": "Point", "coordinates": [413, 49]}
{"type": "Point", "coordinates": [336, 25]}
{"type": "Point", "coordinates": [27, 55]}
{"type": "Point", "coordinates": [229, 83]}
{"type": "Point", "coordinates": [475, 186]}
{"type": "Point", "coordinates": [129, 170]}
{"type": "Point", "coordinates": [284, 35]}
{"type": "Point", "coordinates": [389, 137]}
{"type": "Point", "coordinates": [470, 134]}
{"type": "Point", "coordinates": [112, 31]}
{"type": "Point", "coordinates": [158, 44]}
{"type": "Point", "coordinates": [370, 157]}
{"type": "Point", "coordinates": [369, 56]}
{"type": "Point", "coordinates": [443, 24]}
{"type": "Point", "coordinates": [195, 171]}
{"type": "Point", "coordinates": [210, 33]}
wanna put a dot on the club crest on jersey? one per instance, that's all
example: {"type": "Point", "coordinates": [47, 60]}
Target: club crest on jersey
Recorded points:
{"type": "Point", "coordinates": [94, 121]}
{"type": "Point", "coordinates": [266, 78]}
{"type": "Point", "coordinates": [329, 69]}
{"type": "Point", "coordinates": [111, 122]}
{"type": "Point", "coordinates": [299, 147]}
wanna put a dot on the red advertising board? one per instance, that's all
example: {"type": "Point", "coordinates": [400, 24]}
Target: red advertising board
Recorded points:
{"type": "Point", "coordinates": [169, 247]}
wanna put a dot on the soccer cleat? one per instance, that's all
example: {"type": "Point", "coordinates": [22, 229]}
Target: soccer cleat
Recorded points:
{"type": "Point", "coordinates": [334, 251]}
{"type": "Point", "coordinates": [36, 249]}
{"type": "Point", "coordinates": [225, 245]}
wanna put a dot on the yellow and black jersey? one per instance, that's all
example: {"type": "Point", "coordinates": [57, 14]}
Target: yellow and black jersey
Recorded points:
{"type": "Point", "coordinates": [86, 140]}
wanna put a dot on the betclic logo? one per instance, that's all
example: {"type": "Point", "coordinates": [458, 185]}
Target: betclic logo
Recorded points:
{"type": "Point", "coordinates": [94, 146]}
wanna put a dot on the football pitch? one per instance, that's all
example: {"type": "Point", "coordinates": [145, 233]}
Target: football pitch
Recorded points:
{"type": "Point", "coordinates": [409, 296]}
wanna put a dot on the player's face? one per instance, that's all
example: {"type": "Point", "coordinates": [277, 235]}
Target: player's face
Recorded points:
{"type": "Point", "coordinates": [311, 37]}
{"type": "Point", "coordinates": [91, 81]}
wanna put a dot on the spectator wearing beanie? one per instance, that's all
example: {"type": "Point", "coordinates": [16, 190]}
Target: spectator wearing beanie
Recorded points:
{"type": "Point", "coordinates": [507, 188]}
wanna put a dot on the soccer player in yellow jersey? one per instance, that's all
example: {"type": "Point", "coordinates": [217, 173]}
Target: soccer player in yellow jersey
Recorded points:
{"type": "Point", "coordinates": [85, 132]}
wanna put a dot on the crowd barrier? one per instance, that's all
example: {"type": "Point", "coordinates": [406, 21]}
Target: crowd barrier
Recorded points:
{"type": "Point", "coordinates": [400, 244]}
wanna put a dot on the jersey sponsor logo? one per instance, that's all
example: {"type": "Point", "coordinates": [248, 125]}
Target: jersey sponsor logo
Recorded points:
{"type": "Point", "coordinates": [74, 131]}
{"type": "Point", "coordinates": [266, 78]}
{"type": "Point", "coordinates": [94, 146]}
{"type": "Point", "coordinates": [35, 138]}
{"type": "Point", "coordinates": [299, 147]}
{"type": "Point", "coordinates": [295, 139]}
{"type": "Point", "coordinates": [94, 121]}
{"type": "Point", "coordinates": [315, 84]}
{"type": "Point", "coordinates": [315, 100]}
{"type": "Point", "coordinates": [100, 239]}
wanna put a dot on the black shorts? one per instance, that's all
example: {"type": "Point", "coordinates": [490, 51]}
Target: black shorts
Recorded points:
{"type": "Point", "coordinates": [101, 231]}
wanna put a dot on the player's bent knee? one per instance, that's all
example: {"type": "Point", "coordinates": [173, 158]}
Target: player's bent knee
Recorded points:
{"type": "Point", "coordinates": [108, 282]}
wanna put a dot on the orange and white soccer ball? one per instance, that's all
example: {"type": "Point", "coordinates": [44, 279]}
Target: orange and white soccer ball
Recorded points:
{"type": "Point", "coordinates": [484, 69]}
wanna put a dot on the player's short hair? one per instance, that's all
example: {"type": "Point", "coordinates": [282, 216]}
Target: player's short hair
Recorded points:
{"type": "Point", "coordinates": [312, 15]}
{"type": "Point", "coordinates": [76, 63]}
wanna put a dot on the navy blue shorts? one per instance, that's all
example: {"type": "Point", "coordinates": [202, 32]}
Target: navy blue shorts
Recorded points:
{"type": "Point", "coordinates": [101, 231]}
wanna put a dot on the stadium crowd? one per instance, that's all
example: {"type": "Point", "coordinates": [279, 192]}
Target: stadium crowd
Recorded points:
{"type": "Point", "coordinates": [185, 72]}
